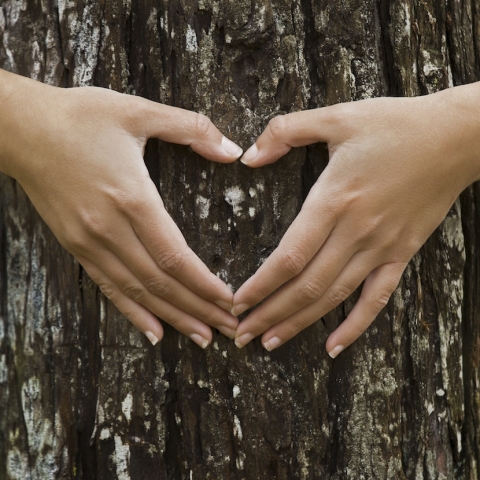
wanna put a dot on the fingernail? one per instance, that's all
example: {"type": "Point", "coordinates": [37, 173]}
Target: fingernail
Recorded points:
{"type": "Point", "coordinates": [242, 340]}
{"type": "Point", "coordinates": [153, 339]}
{"type": "Point", "coordinates": [227, 331]}
{"type": "Point", "coordinates": [231, 148]}
{"type": "Point", "coordinates": [225, 305]}
{"type": "Point", "coordinates": [333, 353]}
{"type": "Point", "coordinates": [250, 155]}
{"type": "Point", "coordinates": [238, 309]}
{"type": "Point", "coordinates": [273, 343]}
{"type": "Point", "coordinates": [199, 340]}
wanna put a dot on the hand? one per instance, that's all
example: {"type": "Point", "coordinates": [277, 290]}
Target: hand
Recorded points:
{"type": "Point", "coordinates": [396, 167]}
{"type": "Point", "coordinates": [78, 153]}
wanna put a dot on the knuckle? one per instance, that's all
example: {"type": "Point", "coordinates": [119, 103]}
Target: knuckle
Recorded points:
{"type": "Point", "coordinates": [130, 112]}
{"type": "Point", "coordinates": [293, 261]}
{"type": "Point", "coordinates": [345, 117]}
{"type": "Point", "coordinates": [173, 321]}
{"type": "Point", "coordinates": [308, 292]}
{"type": "Point", "coordinates": [205, 317]}
{"type": "Point", "coordinates": [337, 295]}
{"type": "Point", "coordinates": [277, 127]}
{"type": "Point", "coordinates": [263, 322]}
{"type": "Point", "coordinates": [136, 196]}
{"type": "Point", "coordinates": [389, 242]}
{"type": "Point", "coordinates": [380, 301]}
{"type": "Point", "coordinates": [330, 209]}
{"type": "Point", "coordinates": [134, 108]}
{"type": "Point", "coordinates": [296, 326]}
{"type": "Point", "coordinates": [131, 314]}
{"type": "Point", "coordinates": [262, 290]}
{"type": "Point", "coordinates": [108, 290]}
{"type": "Point", "coordinates": [170, 261]}
{"type": "Point", "coordinates": [158, 287]}
{"type": "Point", "coordinates": [202, 125]}
{"type": "Point", "coordinates": [370, 228]}
{"type": "Point", "coordinates": [74, 242]}
{"type": "Point", "coordinates": [135, 291]}
{"type": "Point", "coordinates": [134, 202]}
{"type": "Point", "coordinates": [258, 291]}
{"type": "Point", "coordinates": [93, 223]}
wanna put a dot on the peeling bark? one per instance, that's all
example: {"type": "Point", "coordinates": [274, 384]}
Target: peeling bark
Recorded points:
{"type": "Point", "coordinates": [82, 393]}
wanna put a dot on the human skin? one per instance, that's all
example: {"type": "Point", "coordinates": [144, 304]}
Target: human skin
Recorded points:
{"type": "Point", "coordinates": [78, 154]}
{"type": "Point", "coordinates": [396, 167]}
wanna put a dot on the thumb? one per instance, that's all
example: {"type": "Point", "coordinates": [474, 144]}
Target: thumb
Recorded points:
{"type": "Point", "coordinates": [292, 130]}
{"type": "Point", "coordinates": [185, 127]}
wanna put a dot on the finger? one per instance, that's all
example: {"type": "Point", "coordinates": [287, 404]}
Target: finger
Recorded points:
{"type": "Point", "coordinates": [166, 245]}
{"type": "Point", "coordinates": [181, 321]}
{"type": "Point", "coordinates": [137, 276]}
{"type": "Point", "coordinates": [138, 315]}
{"type": "Point", "coordinates": [344, 285]}
{"type": "Point", "coordinates": [292, 130]}
{"type": "Point", "coordinates": [300, 244]}
{"type": "Point", "coordinates": [376, 292]}
{"type": "Point", "coordinates": [303, 290]}
{"type": "Point", "coordinates": [184, 127]}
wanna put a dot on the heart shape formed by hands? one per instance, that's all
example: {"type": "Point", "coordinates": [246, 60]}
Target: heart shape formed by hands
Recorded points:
{"type": "Point", "coordinates": [382, 194]}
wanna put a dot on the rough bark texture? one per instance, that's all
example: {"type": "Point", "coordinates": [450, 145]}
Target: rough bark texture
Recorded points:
{"type": "Point", "coordinates": [82, 393]}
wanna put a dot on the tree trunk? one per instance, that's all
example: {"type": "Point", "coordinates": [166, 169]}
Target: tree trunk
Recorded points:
{"type": "Point", "coordinates": [83, 395]}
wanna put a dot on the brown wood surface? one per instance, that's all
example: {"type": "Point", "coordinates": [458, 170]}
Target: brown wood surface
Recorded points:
{"type": "Point", "coordinates": [83, 395]}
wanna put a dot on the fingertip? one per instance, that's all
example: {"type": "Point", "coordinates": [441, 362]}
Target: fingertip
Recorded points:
{"type": "Point", "coordinates": [220, 150]}
{"type": "Point", "coordinates": [242, 299]}
{"type": "Point", "coordinates": [225, 295]}
{"type": "Point", "coordinates": [258, 156]}
{"type": "Point", "coordinates": [152, 337]}
{"type": "Point", "coordinates": [150, 326]}
{"type": "Point", "coordinates": [250, 155]}
{"type": "Point", "coordinates": [335, 351]}
{"type": "Point", "coordinates": [272, 343]}
{"type": "Point", "coordinates": [332, 342]}
{"type": "Point", "coordinates": [232, 150]}
{"type": "Point", "coordinates": [227, 306]}
{"type": "Point", "coordinates": [239, 308]}
{"type": "Point", "coordinates": [243, 339]}
{"type": "Point", "coordinates": [200, 340]}
{"type": "Point", "coordinates": [227, 331]}
{"type": "Point", "coordinates": [336, 344]}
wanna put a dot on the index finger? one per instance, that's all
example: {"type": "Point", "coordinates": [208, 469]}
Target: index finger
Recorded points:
{"type": "Point", "coordinates": [301, 242]}
{"type": "Point", "coordinates": [164, 241]}
{"type": "Point", "coordinates": [184, 127]}
{"type": "Point", "coordinates": [296, 129]}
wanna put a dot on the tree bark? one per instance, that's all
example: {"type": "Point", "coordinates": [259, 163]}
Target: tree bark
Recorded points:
{"type": "Point", "coordinates": [83, 395]}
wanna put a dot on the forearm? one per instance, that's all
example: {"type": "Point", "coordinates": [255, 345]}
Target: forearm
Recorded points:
{"type": "Point", "coordinates": [458, 127]}
{"type": "Point", "coordinates": [22, 111]}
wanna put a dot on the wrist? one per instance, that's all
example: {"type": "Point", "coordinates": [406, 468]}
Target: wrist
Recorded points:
{"type": "Point", "coordinates": [22, 103]}
{"type": "Point", "coordinates": [7, 91]}
{"type": "Point", "coordinates": [460, 116]}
